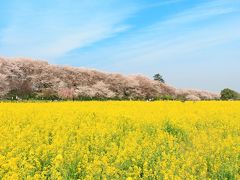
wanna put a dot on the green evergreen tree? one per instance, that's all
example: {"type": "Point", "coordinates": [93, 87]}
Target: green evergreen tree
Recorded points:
{"type": "Point", "coordinates": [158, 77]}
{"type": "Point", "coordinates": [228, 94]}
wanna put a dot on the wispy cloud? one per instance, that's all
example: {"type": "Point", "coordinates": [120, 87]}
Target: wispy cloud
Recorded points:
{"type": "Point", "coordinates": [163, 40]}
{"type": "Point", "coordinates": [61, 27]}
{"type": "Point", "coordinates": [50, 29]}
{"type": "Point", "coordinates": [204, 11]}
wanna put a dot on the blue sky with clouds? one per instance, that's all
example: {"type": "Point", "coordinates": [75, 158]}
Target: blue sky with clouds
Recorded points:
{"type": "Point", "coordinates": [193, 44]}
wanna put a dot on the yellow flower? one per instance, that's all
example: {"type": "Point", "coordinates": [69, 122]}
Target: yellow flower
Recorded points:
{"type": "Point", "coordinates": [119, 140]}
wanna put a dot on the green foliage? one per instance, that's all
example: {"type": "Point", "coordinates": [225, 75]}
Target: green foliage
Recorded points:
{"type": "Point", "coordinates": [158, 77]}
{"type": "Point", "coordinates": [48, 98]}
{"type": "Point", "coordinates": [228, 94]}
{"type": "Point", "coordinates": [88, 98]}
{"type": "Point", "coordinates": [166, 97]}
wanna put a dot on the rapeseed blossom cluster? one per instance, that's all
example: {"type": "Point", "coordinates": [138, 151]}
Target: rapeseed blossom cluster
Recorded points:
{"type": "Point", "coordinates": [120, 140]}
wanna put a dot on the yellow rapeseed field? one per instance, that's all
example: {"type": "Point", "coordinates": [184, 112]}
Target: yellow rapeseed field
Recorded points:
{"type": "Point", "coordinates": [120, 140]}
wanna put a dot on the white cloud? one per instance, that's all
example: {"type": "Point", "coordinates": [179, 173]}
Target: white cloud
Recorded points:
{"type": "Point", "coordinates": [202, 12]}
{"type": "Point", "coordinates": [50, 29]}
{"type": "Point", "coordinates": [176, 36]}
{"type": "Point", "coordinates": [54, 30]}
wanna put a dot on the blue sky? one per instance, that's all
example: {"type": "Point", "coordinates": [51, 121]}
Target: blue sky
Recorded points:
{"type": "Point", "coordinates": [193, 44]}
